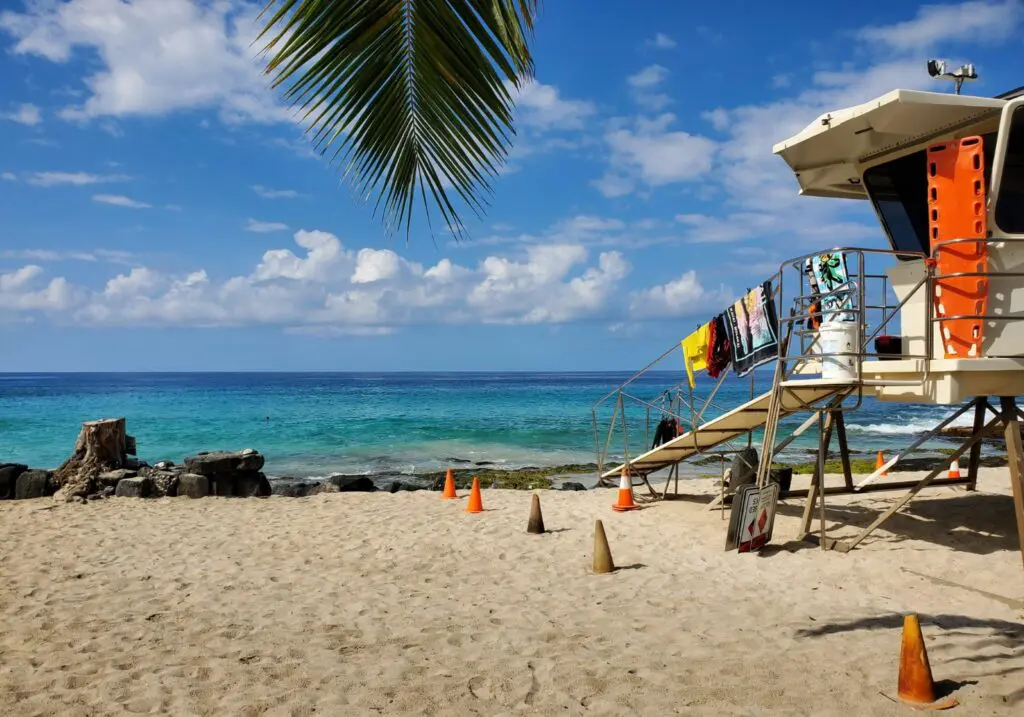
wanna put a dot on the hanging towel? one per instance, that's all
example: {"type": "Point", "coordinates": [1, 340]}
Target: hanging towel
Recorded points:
{"type": "Point", "coordinates": [719, 353]}
{"type": "Point", "coordinates": [833, 282]}
{"type": "Point", "coordinates": [753, 329]}
{"type": "Point", "coordinates": [695, 352]}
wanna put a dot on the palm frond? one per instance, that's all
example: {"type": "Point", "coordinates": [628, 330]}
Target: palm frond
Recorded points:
{"type": "Point", "coordinates": [412, 95]}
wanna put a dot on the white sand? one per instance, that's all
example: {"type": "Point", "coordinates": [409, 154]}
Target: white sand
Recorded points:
{"type": "Point", "coordinates": [362, 604]}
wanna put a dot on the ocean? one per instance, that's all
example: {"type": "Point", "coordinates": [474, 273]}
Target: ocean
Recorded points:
{"type": "Point", "coordinates": [316, 424]}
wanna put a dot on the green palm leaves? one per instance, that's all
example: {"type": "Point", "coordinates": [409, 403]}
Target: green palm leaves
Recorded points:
{"type": "Point", "coordinates": [412, 95]}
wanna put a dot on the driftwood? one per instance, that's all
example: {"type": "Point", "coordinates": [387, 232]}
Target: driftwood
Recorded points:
{"type": "Point", "coordinates": [101, 447]}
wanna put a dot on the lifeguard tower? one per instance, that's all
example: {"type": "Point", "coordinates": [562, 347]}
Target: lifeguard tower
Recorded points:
{"type": "Point", "coordinates": [938, 318]}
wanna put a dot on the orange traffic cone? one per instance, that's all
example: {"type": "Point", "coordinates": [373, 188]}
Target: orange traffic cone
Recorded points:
{"type": "Point", "coordinates": [879, 462]}
{"type": "Point", "coordinates": [476, 502]}
{"type": "Point", "coordinates": [449, 486]}
{"type": "Point", "coordinates": [625, 501]}
{"type": "Point", "coordinates": [915, 683]}
{"type": "Point", "coordinates": [954, 469]}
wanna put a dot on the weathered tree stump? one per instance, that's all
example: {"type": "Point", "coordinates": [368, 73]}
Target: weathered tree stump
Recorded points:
{"type": "Point", "coordinates": [101, 447]}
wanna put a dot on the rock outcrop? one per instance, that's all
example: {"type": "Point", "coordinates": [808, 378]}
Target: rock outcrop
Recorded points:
{"type": "Point", "coordinates": [102, 446]}
{"type": "Point", "coordinates": [34, 484]}
{"type": "Point", "coordinates": [231, 474]}
{"type": "Point", "coordinates": [352, 484]}
{"type": "Point", "coordinates": [193, 485]}
{"type": "Point", "coordinates": [139, 487]}
{"type": "Point", "coordinates": [9, 473]}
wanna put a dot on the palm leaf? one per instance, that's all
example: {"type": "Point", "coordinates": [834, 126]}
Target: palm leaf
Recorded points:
{"type": "Point", "coordinates": [412, 95]}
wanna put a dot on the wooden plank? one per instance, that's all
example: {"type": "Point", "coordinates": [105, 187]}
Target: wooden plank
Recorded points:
{"type": "Point", "coordinates": [844, 448]}
{"type": "Point", "coordinates": [1015, 457]}
{"type": "Point", "coordinates": [974, 462]}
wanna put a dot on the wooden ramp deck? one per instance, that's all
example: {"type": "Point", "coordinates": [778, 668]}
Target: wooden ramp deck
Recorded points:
{"type": "Point", "coordinates": [797, 395]}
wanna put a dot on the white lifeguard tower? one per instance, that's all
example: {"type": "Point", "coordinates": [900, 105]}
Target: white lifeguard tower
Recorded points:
{"type": "Point", "coordinates": [938, 318]}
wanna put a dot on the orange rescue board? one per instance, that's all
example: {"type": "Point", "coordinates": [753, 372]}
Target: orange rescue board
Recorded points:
{"type": "Point", "coordinates": [957, 210]}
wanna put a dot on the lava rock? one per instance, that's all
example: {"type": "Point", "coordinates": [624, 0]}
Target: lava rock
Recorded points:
{"type": "Point", "coordinates": [34, 484]}
{"type": "Point", "coordinates": [193, 485]}
{"type": "Point", "coordinates": [252, 485]}
{"type": "Point", "coordinates": [215, 464]}
{"type": "Point", "coordinates": [9, 473]}
{"type": "Point", "coordinates": [164, 465]}
{"type": "Point", "coordinates": [292, 487]}
{"type": "Point", "coordinates": [165, 483]}
{"type": "Point", "coordinates": [323, 488]}
{"type": "Point", "coordinates": [573, 485]}
{"type": "Point", "coordinates": [352, 484]}
{"type": "Point", "coordinates": [223, 486]}
{"type": "Point", "coordinates": [140, 487]}
{"type": "Point", "coordinates": [115, 477]}
{"type": "Point", "coordinates": [397, 486]}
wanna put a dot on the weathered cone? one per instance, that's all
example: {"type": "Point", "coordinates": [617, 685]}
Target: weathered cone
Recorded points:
{"type": "Point", "coordinates": [602, 555]}
{"type": "Point", "coordinates": [536, 524]}
{"type": "Point", "coordinates": [915, 677]}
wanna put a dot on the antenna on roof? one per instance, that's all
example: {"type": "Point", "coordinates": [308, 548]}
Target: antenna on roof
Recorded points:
{"type": "Point", "coordinates": [937, 68]}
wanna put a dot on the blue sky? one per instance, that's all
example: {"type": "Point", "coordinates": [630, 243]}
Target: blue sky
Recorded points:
{"type": "Point", "coordinates": [162, 211]}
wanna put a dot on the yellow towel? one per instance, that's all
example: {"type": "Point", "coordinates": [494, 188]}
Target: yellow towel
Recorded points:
{"type": "Point", "coordinates": [695, 351]}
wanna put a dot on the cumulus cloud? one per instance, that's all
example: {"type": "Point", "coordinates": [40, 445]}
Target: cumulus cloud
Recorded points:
{"type": "Point", "coordinates": [541, 106]}
{"type": "Point", "coordinates": [319, 286]}
{"type": "Point", "coordinates": [154, 56]}
{"type": "Point", "coordinates": [642, 87]}
{"type": "Point", "coordinates": [267, 193]}
{"type": "Point", "coordinates": [968, 21]}
{"type": "Point", "coordinates": [683, 296]}
{"type": "Point", "coordinates": [648, 152]}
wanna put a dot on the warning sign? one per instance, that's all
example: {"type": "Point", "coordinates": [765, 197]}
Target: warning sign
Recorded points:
{"type": "Point", "coordinates": [752, 517]}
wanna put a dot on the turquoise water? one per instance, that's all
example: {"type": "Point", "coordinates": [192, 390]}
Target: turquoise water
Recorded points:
{"type": "Point", "coordinates": [314, 424]}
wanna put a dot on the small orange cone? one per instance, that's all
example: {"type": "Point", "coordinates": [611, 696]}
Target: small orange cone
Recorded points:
{"type": "Point", "coordinates": [449, 486]}
{"type": "Point", "coordinates": [954, 469]}
{"type": "Point", "coordinates": [879, 462]}
{"type": "Point", "coordinates": [915, 683]}
{"type": "Point", "coordinates": [625, 501]}
{"type": "Point", "coordinates": [476, 502]}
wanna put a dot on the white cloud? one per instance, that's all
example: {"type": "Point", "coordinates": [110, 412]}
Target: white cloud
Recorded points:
{"type": "Point", "coordinates": [649, 153]}
{"type": "Point", "coordinates": [541, 106]}
{"type": "Point", "coordinates": [26, 114]}
{"type": "Point", "coordinates": [781, 80]}
{"type": "Point", "coordinates": [155, 56]}
{"type": "Point", "coordinates": [274, 193]}
{"type": "Point", "coordinates": [119, 200]}
{"type": "Point", "coordinates": [661, 41]}
{"type": "Point", "coordinates": [8, 177]}
{"type": "Point", "coordinates": [46, 255]}
{"type": "Point", "coordinates": [78, 179]}
{"type": "Point", "coordinates": [648, 77]}
{"type": "Point", "coordinates": [684, 296]}
{"type": "Point", "coordinates": [259, 227]}
{"type": "Point", "coordinates": [968, 21]}
{"type": "Point", "coordinates": [326, 289]}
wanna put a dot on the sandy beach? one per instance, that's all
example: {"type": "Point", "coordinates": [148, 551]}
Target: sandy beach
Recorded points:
{"type": "Point", "coordinates": [353, 604]}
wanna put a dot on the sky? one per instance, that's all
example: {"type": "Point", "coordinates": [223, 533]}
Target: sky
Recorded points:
{"type": "Point", "coordinates": [161, 209]}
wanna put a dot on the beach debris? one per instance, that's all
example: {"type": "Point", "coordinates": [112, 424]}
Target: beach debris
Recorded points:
{"type": "Point", "coordinates": [625, 501]}
{"type": "Point", "coordinates": [34, 484]}
{"type": "Point", "coordinates": [164, 465]}
{"type": "Point", "coordinates": [954, 469]}
{"type": "Point", "coordinates": [602, 553]}
{"type": "Point", "coordinates": [536, 522]}
{"type": "Point", "coordinates": [449, 486]}
{"type": "Point", "coordinates": [102, 446]}
{"type": "Point", "coordinates": [193, 485]}
{"type": "Point", "coordinates": [476, 502]}
{"type": "Point", "coordinates": [879, 462]}
{"type": "Point", "coordinates": [9, 473]}
{"type": "Point", "coordinates": [140, 487]}
{"type": "Point", "coordinates": [915, 685]}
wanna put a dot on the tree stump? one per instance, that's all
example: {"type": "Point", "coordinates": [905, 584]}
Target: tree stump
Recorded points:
{"type": "Point", "coordinates": [101, 447]}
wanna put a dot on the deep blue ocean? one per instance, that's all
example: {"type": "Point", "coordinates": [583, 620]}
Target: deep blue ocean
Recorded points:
{"type": "Point", "coordinates": [315, 424]}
